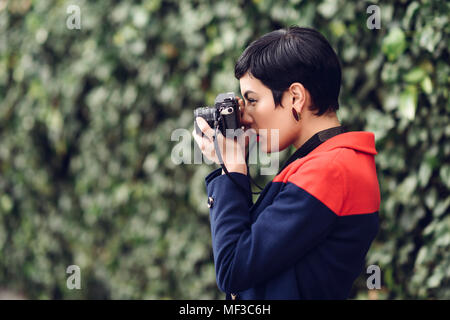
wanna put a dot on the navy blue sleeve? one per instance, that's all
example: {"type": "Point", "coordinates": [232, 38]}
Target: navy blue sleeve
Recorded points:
{"type": "Point", "coordinates": [246, 253]}
{"type": "Point", "coordinates": [245, 183]}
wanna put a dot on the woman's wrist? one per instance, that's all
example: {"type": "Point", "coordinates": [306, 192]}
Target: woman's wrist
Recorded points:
{"type": "Point", "coordinates": [237, 168]}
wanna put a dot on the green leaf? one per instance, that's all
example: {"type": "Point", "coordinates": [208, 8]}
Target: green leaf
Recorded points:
{"type": "Point", "coordinates": [394, 43]}
{"type": "Point", "coordinates": [425, 172]}
{"type": "Point", "coordinates": [435, 280]}
{"type": "Point", "coordinates": [328, 8]}
{"type": "Point", "coordinates": [444, 174]}
{"type": "Point", "coordinates": [408, 103]}
{"type": "Point", "coordinates": [6, 203]}
{"type": "Point", "coordinates": [429, 38]}
{"type": "Point", "coordinates": [427, 85]}
{"type": "Point", "coordinates": [415, 75]}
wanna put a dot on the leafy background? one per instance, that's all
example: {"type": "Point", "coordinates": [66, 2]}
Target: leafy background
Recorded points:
{"type": "Point", "coordinates": [86, 117]}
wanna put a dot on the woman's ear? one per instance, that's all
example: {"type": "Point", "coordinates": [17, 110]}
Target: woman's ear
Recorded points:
{"type": "Point", "coordinates": [298, 96]}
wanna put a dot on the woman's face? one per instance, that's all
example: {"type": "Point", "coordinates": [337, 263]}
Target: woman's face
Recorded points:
{"type": "Point", "coordinates": [260, 113]}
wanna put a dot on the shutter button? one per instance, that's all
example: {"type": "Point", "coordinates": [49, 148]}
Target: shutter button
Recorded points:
{"type": "Point", "coordinates": [210, 202]}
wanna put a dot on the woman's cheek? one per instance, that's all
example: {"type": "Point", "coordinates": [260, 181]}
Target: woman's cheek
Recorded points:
{"type": "Point", "coordinates": [264, 143]}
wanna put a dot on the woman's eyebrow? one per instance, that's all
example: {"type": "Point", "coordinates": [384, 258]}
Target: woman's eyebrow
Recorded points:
{"type": "Point", "coordinates": [247, 93]}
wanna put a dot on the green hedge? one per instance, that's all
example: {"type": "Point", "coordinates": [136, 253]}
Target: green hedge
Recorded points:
{"type": "Point", "coordinates": [86, 117]}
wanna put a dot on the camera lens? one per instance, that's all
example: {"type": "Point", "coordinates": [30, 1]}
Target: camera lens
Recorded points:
{"type": "Point", "coordinates": [206, 113]}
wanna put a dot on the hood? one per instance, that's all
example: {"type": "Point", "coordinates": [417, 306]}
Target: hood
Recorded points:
{"type": "Point", "coordinates": [362, 141]}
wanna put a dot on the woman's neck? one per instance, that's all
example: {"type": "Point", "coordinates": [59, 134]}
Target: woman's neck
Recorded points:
{"type": "Point", "coordinates": [314, 124]}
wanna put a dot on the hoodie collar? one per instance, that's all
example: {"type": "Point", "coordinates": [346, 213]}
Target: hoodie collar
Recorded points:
{"type": "Point", "coordinates": [312, 143]}
{"type": "Point", "coordinates": [361, 141]}
{"type": "Point", "coordinates": [332, 138]}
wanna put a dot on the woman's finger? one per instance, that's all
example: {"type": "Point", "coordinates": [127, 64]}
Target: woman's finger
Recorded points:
{"type": "Point", "coordinates": [204, 127]}
{"type": "Point", "coordinates": [206, 146]}
{"type": "Point", "coordinates": [241, 104]}
{"type": "Point", "coordinates": [198, 139]}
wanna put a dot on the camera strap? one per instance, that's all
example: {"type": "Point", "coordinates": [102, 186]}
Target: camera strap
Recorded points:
{"type": "Point", "coordinates": [222, 164]}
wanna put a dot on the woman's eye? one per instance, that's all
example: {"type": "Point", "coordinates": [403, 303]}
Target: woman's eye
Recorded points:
{"type": "Point", "coordinates": [251, 101]}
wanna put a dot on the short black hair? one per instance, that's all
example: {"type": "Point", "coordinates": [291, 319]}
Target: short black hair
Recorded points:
{"type": "Point", "coordinates": [295, 54]}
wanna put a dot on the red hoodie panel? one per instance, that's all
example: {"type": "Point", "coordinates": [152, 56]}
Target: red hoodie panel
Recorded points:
{"type": "Point", "coordinates": [347, 161]}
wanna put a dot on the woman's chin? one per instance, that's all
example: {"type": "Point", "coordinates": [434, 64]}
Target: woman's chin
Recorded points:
{"type": "Point", "coordinates": [264, 147]}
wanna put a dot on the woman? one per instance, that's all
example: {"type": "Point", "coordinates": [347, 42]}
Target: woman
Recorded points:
{"type": "Point", "coordinates": [307, 235]}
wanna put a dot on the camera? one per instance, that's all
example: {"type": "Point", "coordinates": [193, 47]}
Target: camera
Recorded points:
{"type": "Point", "coordinates": [225, 111]}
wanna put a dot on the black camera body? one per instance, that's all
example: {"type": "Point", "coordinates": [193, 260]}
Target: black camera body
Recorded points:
{"type": "Point", "coordinates": [225, 111]}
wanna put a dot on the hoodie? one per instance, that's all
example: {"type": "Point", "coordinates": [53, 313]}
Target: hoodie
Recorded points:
{"type": "Point", "coordinates": [308, 233]}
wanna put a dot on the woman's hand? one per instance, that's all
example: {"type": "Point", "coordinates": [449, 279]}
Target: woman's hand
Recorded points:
{"type": "Point", "coordinates": [232, 150]}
